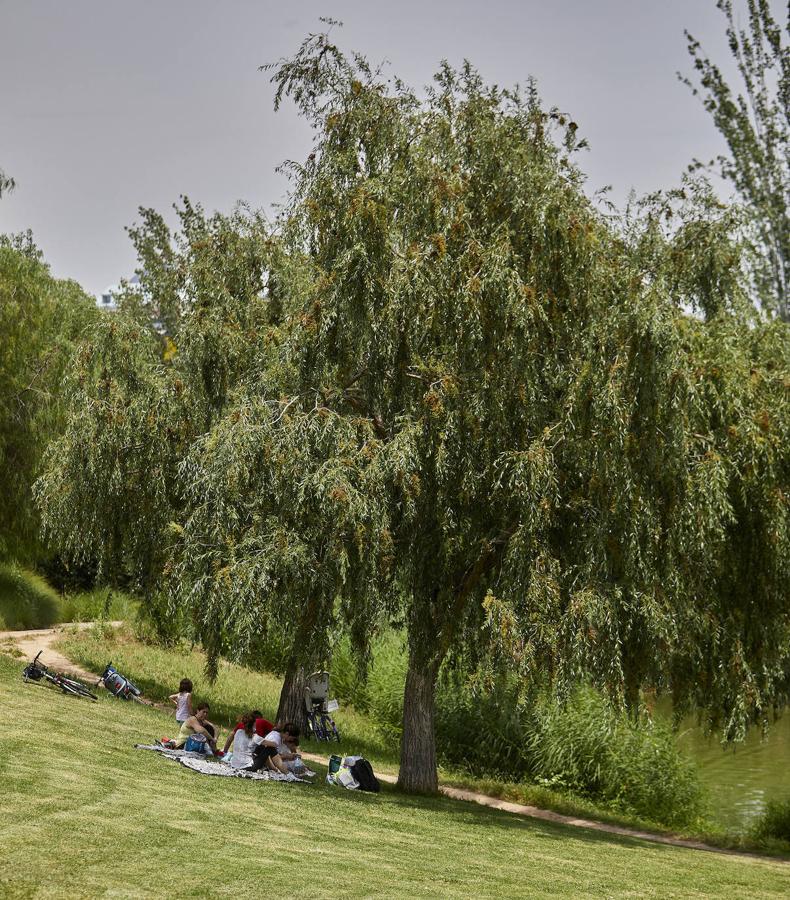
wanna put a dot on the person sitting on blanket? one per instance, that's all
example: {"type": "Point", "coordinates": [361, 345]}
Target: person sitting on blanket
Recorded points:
{"type": "Point", "coordinates": [244, 742]}
{"type": "Point", "coordinates": [290, 755]}
{"type": "Point", "coordinates": [262, 728]}
{"type": "Point", "coordinates": [267, 753]}
{"type": "Point", "coordinates": [198, 724]}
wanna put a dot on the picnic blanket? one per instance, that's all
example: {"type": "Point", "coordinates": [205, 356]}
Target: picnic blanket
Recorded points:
{"type": "Point", "coordinates": [169, 753]}
{"type": "Point", "coordinates": [198, 762]}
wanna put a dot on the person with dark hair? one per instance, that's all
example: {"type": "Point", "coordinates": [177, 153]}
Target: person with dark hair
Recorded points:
{"type": "Point", "coordinates": [267, 753]}
{"type": "Point", "coordinates": [183, 701]}
{"type": "Point", "coordinates": [262, 728]}
{"type": "Point", "coordinates": [198, 724]}
{"type": "Point", "coordinates": [243, 742]}
{"type": "Point", "coordinates": [291, 755]}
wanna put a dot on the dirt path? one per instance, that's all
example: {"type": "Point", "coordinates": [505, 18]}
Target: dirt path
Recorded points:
{"type": "Point", "coordinates": [30, 642]}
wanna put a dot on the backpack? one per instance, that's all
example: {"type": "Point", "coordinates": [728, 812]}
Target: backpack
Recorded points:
{"type": "Point", "coordinates": [195, 743]}
{"type": "Point", "coordinates": [363, 775]}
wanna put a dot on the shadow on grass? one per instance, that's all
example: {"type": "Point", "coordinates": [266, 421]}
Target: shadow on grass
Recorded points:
{"type": "Point", "coordinates": [464, 813]}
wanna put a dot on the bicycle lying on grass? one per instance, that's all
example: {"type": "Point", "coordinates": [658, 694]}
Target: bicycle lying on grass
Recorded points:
{"type": "Point", "coordinates": [38, 672]}
{"type": "Point", "coordinates": [118, 685]}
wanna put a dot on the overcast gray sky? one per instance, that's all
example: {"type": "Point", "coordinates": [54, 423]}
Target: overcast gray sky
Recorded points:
{"type": "Point", "coordinates": [108, 105]}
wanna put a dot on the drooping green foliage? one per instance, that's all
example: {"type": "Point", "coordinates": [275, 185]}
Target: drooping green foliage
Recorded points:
{"type": "Point", "coordinates": [41, 321]}
{"type": "Point", "coordinates": [282, 522]}
{"type": "Point", "coordinates": [755, 123]}
{"type": "Point", "coordinates": [139, 399]}
{"type": "Point", "coordinates": [557, 429]}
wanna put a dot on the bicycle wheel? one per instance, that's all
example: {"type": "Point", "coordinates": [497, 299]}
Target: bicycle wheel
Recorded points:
{"type": "Point", "coordinates": [74, 683]}
{"type": "Point", "coordinates": [330, 729]}
{"type": "Point", "coordinates": [317, 728]}
{"type": "Point", "coordinates": [76, 689]}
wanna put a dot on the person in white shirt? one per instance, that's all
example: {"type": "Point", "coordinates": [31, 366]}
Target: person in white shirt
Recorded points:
{"type": "Point", "coordinates": [267, 753]}
{"type": "Point", "coordinates": [244, 743]}
{"type": "Point", "coordinates": [183, 701]}
{"type": "Point", "coordinates": [290, 755]}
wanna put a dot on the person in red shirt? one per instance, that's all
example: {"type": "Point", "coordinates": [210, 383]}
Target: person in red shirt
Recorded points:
{"type": "Point", "coordinates": [262, 728]}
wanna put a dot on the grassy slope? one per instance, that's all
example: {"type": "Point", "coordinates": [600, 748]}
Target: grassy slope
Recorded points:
{"type": "Point", "coordinates": [82, 813]}
{"type": "Point", "coordinates": [158, 672]}
{"type": "Point", "coordinates": [26, 600]}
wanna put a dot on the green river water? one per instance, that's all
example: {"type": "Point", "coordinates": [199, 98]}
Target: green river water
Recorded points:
{"type": "Point", "coordinates": [741, 779]}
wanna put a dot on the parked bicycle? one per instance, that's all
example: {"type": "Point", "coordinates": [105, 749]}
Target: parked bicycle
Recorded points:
{"type": "Point", "coordinates": [316, 699]}
{"type": "Point", "coordinates": [39, 673]}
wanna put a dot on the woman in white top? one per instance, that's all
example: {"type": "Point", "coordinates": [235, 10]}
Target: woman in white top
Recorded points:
{"type": "Point", "coordinates": [244, 743]}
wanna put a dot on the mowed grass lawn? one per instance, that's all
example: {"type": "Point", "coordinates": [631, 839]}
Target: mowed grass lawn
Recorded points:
{"type": "Point", "coordinates": [84, 814]}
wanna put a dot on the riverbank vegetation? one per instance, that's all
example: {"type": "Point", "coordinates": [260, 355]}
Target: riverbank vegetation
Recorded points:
{"type": "Point", "coordinates": [493, 728]}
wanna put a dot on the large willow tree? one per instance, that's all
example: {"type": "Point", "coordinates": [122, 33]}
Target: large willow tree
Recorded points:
{"type": "Point", "coordinates": [567, 455]}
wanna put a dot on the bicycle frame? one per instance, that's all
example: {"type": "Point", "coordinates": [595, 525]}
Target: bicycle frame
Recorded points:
{"type": "Point", "coordinates": [35, 671]}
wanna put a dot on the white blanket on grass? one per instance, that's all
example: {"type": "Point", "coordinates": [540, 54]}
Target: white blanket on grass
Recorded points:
{"type": "Point", "coordinates": [208, 766]}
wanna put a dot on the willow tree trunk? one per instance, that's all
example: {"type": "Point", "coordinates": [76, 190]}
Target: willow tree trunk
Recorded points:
{"type": "Point", "coordinates": [292, 708]}
{"type": "Point", "coordinates": [418, 744]}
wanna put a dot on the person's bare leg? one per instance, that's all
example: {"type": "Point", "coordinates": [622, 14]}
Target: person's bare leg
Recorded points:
{"type": "Point", "coordinates": [276, 764]}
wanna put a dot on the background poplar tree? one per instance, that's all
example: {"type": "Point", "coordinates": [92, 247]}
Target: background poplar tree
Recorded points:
{"type": "Point", "coordinates": [754, 119]}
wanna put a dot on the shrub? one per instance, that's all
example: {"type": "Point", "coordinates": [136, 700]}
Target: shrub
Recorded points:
{"type": "Point", "coordinates": [386, 682]}
{"type": "Point", "coordinates": [775, 821]}
{"type": "Point", "coordinates": [26, 600]}
{"type": "Point", "coordinates": [483, 730]}
{"type": "Point", "coordinates": [100, 603]}
{"type": "Point", "coordinates": [379, 691]}
{"type": "Point", "coordinates": [348, 683]}
{"type": "Point", "coordinates": [631, 764]}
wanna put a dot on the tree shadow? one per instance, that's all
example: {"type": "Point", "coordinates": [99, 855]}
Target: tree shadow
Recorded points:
{"type": "Point", "coordinates": [467, 812]}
